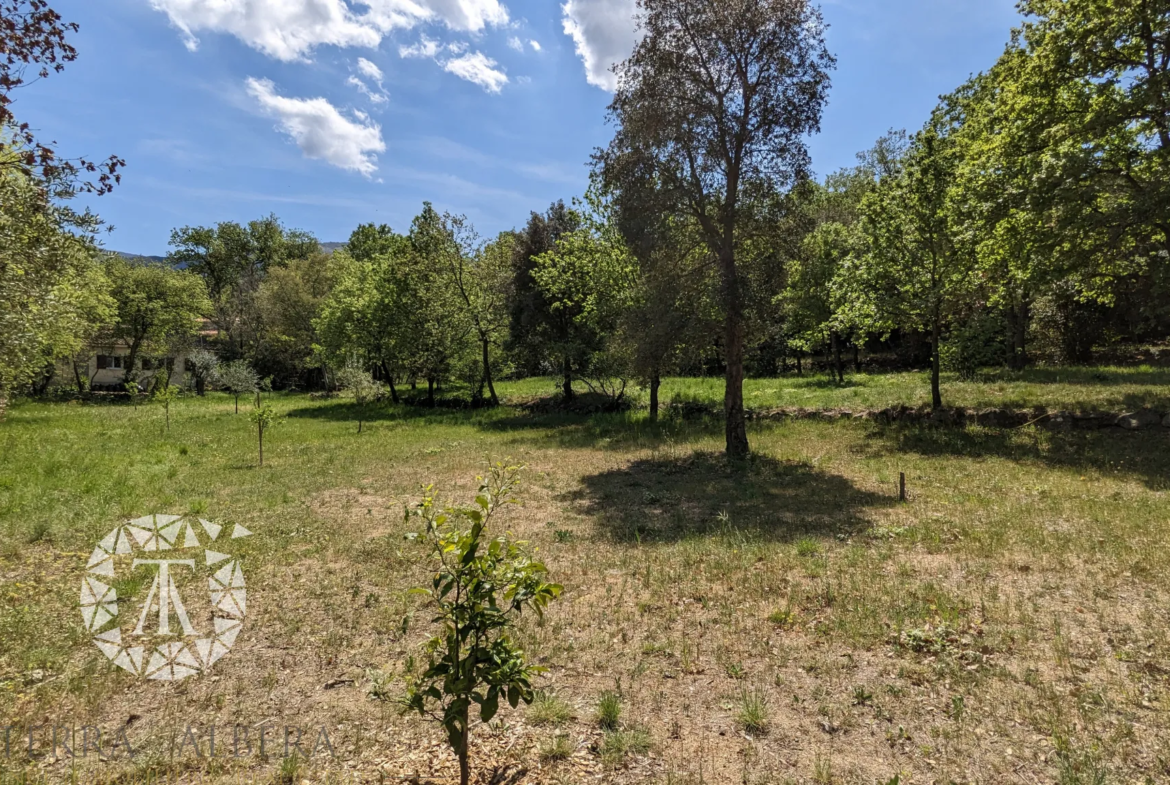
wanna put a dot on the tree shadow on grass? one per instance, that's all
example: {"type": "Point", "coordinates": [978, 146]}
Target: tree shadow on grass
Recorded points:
{"type": "Point", "coordinates": [672, 499]}
{"type": "Point", "coordinates": [1144, 455]}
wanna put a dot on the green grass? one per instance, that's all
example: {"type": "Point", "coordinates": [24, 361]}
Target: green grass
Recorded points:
{"type": "Point", "coordinates": [1028, 573]}
{"type": "Point", "coordinates": [1104, 388]}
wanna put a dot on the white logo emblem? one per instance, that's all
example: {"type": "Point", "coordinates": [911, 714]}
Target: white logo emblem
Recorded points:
{"type": "Point", "coordinates": [170, 640]}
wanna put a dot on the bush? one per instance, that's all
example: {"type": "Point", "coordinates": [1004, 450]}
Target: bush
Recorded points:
{"type": "Point", "coordinates": [977, 343]}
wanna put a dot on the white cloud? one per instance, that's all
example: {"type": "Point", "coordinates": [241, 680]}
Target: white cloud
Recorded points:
{"type": "Point", "coordinates": [604, 33]}
{"type": "Point", "coordinates": [468, 15]}
{"type": "Point", "coordinates": [479, 69]}
{"type": "Point", "coordinates": [535, 45]}
{"type": "Point", "coordinates": [516, 44]}
{"type": "Point", "coordinates": [378, 97]}
{"type": "Point", "coordinates": [369, 70]}
{"type": "Point", "coordinates": [320, 130]}
{"type": "Point", "coordinates": [457, 47]}
{"type": "Point", "coordinates": [291, 29]}
{"type": "Point", "coordinates": [426, 47]}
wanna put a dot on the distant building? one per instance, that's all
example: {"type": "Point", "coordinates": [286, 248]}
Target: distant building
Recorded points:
{"type": "Point", "coordinates": [105, 369]}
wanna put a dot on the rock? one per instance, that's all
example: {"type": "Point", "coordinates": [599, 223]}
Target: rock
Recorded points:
{"type": "Point", "coordinates": [1139, 420]}
{"type": "Point", "coordinates": [1091, 422]}
{"type": "Point", "coordinates": [1059, 421]}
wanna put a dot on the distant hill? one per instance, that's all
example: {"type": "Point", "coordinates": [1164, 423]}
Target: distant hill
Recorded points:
{"type": "Point", "coordinates": [139, 257]}
{"type": "Point", "coordinates": [331, 247]}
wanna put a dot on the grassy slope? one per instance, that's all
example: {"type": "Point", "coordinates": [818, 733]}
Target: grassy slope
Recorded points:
{"type": "Point", "coordinates": [1108, 389]}
{"type": "Point", "coordinates": [1016, 603]}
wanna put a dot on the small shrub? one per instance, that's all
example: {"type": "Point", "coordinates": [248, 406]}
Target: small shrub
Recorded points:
{"type": "Point", "coordinates": [609, 710]}
{"type": "Point", "coordinates": [549, 709]}
{"type": "Point", "coordinates": [479, 588]}
{"type": "Point", "coordinates": [618, 744]}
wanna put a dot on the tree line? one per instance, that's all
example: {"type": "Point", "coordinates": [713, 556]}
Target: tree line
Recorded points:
{"type": "Point", "coordinates": [1026, 218]}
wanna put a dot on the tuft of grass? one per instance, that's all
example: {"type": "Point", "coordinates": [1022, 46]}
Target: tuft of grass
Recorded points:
{"type": "Point", "coordinates": [286, 773]}
{"type": "Point", "coordinates": [807, 547]}
{"type": "Point", "coordinates": [752, 710]}
{"type": "Point", "coordinates": [609, 710]}
{"type": "Point", "coordinates": [557, 747]}
{"type": "Point", "coordinates": [617, 745]}
{"type": "Point", "coordinates": [547, 708]}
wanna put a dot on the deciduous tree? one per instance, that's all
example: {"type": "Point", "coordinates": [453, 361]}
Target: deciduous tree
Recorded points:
{"type": "Point", "coordinates": [715, 103]}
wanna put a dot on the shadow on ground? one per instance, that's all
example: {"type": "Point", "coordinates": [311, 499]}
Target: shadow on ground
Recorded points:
{"type": "Point", "coordinates": [671, 499]}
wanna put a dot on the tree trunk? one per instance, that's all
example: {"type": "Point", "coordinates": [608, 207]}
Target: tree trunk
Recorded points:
{"type": "Point", "coordinates": [465, 752]}
{"type": "Point", "coordinates": [200, 386]}
{"type": "Point", "coordinates": [167, 408]}
{"type": "Point", "coordinates": [567, 384]}
{"type": "Point", "coordinates": [237, 403]}
{"type": "Point", "coordinates": [430, 391]}
{"type": "Point", "coordinates": [131, 360]}
{"type": "Point", "coordinates": [799, 364]}
{"type": "Point", "coordinates": [260, 433]}
{"type": "Point", "coordinates": [3, 404]}
{"type": "Point", "coordinates": [390, 380]}
{"type": "Point", "coordinates": [655, 383]}
{"type": "Point", "coordinates": [935, 335]}
{"type": "Point", "coordinates": [77, 377]}
{"type": "Point", "coordinates": [359, 424]}
{"type": "Point", "coordinates": [736, 424]}
{"type": "Point", "coordinates": [836, 340]}
{"type": "Point", "coordinates": [856, 357]}
{"type": "Point", "coordinates": [487, 374]}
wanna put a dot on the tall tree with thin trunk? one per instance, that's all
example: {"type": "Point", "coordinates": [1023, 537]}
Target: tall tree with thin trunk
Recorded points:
{"type": "Point", "coordinates": [716, 102]}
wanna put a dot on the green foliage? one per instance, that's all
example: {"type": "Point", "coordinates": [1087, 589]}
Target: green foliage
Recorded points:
{"type": "Point", "coordinates": [53, 293]}
{"type": "Point", "coordinates": [239, 378]}
{"type": "Point", "coordinates": [480, 587]}
{"type": "Point", "coordinates": [358, 381]}
{"type": "Point", "coordinates": [974, 343]}
{"type": "Point", "coordinates": [232, 260]}
{"type": "Point", "coordinates": [589, 282]}
{"type": "Point", "coordinates": [264, 418]}
{"type": "Point", "coordinates": [158, 311]}
{"type": "Point", "coordinates": [164, 395]}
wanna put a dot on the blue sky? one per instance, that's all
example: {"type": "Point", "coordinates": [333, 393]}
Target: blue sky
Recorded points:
{"type": "Point", "coordinates": [239, 108]}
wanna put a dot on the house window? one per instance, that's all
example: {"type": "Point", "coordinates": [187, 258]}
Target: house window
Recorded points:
{"type": "Point", "coordinates": [117, 362]}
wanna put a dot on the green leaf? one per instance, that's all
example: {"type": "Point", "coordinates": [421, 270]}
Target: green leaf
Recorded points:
{"type": "Point", "coordinates": [490, 705]}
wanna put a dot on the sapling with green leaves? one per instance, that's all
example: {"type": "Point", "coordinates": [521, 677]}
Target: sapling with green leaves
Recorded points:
{"type": "Point", "coordinates": [263, 418]}
{"type": "Point", "coordinates": [481, 587]}
{"type": "Point", "coordinates": [166, 394]}
{"type": "Point", "coordinates": [358, 381]}
{"type": "Point", "coordinates": [239, 378]}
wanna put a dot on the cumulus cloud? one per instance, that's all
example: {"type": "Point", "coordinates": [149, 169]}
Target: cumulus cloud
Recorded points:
{"type": "Point", "coordinates": [604, 33]}
{"type": "Point", "coordinates": [516, 44]}
{"type": "Point", "coordinates": [478, 69]}
{"type": "Point", "coordinates": [320, 130]}
{"type": "Point", "coordinates": [290, 29]}
{"type": "Point", "coordinates": [535, 45]}
{"type": "Point", "coordinates": [426, 47]}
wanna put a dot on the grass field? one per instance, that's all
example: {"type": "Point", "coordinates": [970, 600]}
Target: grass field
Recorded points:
{"type": "Point", "coordinates": [784, 621]}
{"type": "Point", "coordinates": [1072, 389]}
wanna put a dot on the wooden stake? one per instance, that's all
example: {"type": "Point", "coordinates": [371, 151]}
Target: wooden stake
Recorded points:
{"type": "Point", "coordinates": [901, 486]}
